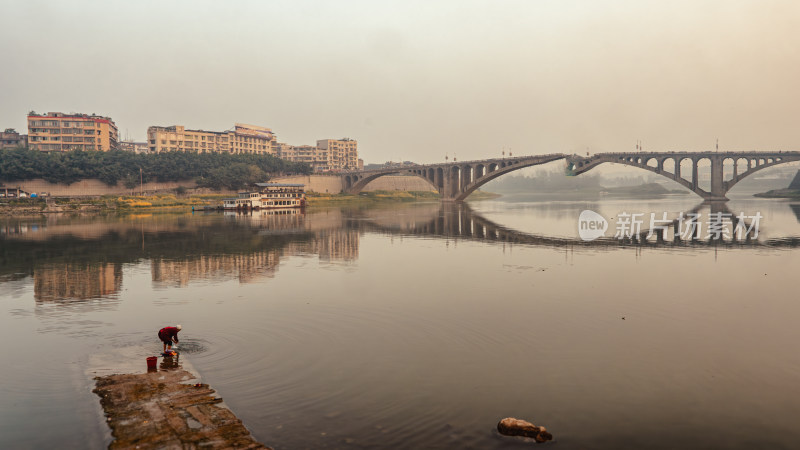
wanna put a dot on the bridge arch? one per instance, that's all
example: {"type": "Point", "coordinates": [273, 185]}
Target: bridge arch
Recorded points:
{"type": "Point", "coordinates": [752, 169]}
{"type": "Point", "coordinates": [704, 183]}
{"type": "Point", "coordinates": [359, 182]}
{"type": "Point", "coordinates": [349, 180]}
{"type": "Point", "coordinates": [679, 166]}
{"type": "Point", "coordinates": [668, 166]}
{"type": "Point", "coordinates": [454, 181]}
{"type": "Point", "coordinates": [728, 168]}
{"type": "Point", "coordinates": [741, 165]}
{"type": "Point", "coordinates": [496, 170]}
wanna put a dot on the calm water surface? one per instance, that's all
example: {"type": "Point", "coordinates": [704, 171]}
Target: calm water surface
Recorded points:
{"type": "Point", "coordinates": [414, 326]}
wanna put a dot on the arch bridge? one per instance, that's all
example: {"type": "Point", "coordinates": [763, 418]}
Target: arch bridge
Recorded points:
{"type": "Point", "coordinates": [669, 164]}
{"type": "Point", "coordinates": [454, 181]}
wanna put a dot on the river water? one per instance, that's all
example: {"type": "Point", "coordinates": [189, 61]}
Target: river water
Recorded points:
{"type": "Point", "coordinates": [413, 325]}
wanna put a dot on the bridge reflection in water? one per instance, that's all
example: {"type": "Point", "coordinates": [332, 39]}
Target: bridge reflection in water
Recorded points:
{"type": "Point", "coordinates": [78, 259]}
{"type": "Point", "coordinates": [454, 220]}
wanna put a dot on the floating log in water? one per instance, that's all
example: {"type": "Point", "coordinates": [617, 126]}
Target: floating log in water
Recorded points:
{"type": "Point", "coordinates": [516, 427]}
{"type": "Point", "coordinates": [157, 410]}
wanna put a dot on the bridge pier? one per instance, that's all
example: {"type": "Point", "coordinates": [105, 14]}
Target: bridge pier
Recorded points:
{"type": "Point", "coordinates": [718, 190]}
{"type": "Point", "coordinates": [450, 184]}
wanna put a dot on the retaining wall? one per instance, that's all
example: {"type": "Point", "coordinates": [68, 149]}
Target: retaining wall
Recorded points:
{"type": "Point", "coordinates": [333, 184]}
{"type": "Point", "coordinates": [315, 183]}
{"type": "Point", "coordinates": [92, 187]}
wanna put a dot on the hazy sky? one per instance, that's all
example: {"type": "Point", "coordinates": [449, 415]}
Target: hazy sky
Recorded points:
{"type": "Point", "coordinates": [416, 80]}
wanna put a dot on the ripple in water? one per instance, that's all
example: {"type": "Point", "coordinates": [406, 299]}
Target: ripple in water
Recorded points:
{"type": "Point", "coordinates": [192, 346]}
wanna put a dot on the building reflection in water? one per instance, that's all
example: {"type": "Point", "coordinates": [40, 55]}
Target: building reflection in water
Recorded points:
{"type": "Point", "coordinates": [76, 281]}
{"type": "Point", "coordinates": [333, 245]}
{"type": "Point", "coordinates": [337, 245]}
{"type": "Point", "coordinates": [244, 267]}
{"type": "Point", "coordinates": [328, 241]}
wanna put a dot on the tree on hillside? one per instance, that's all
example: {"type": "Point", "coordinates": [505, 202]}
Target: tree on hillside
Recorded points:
{"type": "Point", "coordinates": [216, 170]}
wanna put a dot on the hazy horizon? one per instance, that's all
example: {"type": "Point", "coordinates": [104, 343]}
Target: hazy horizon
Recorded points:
{"type": "Point", "coordinates": [418, 80]}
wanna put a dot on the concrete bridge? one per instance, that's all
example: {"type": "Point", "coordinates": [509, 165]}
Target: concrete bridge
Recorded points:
{"type": "Point", "coordinates": [457, 180]}
{"type": "Point", "coordinates": [454, 181]}
{"type": "Point", "coordinates": [668, 164]}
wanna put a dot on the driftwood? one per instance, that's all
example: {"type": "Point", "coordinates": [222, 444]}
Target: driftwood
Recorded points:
{"type": "Point", "coordinates": [516, 427]}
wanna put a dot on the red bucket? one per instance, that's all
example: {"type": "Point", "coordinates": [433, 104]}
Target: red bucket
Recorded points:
{"type": "Point", "coordinates": [151, 362]}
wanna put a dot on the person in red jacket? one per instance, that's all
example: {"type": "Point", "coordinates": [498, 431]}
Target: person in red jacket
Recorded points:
{"type": "Point", "coordinates": [169, 334]}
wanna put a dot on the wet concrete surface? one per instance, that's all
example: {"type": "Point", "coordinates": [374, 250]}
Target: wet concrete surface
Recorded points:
{"type": "Point", "coordinates": [168, 409]}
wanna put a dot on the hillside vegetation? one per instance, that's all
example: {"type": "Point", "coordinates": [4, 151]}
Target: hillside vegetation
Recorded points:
{"type": "Point", "coordinates": [212, 170]}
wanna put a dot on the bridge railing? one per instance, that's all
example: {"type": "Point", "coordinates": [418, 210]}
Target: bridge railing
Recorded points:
{"type": "Point", "coordinates": [456, 163]}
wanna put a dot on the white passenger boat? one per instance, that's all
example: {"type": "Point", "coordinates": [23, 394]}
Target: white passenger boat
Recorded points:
{"type": "Point", "coordinates": [268, 196]}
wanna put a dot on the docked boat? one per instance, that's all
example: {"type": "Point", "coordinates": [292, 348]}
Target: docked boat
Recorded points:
{"type": "Point", "coordinates": [268, 196]}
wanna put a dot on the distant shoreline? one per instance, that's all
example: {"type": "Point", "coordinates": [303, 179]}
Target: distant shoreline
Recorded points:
{"type": "Point", "coordinates": [172, 202]}
{"type": "Point", "coordinates": [647, 190]}
{"type": "Point", "coordinates": [792, 194]}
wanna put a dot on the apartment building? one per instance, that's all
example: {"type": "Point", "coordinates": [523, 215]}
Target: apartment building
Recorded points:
{"type": "Point", "coordinates": [58, 132]}
{"type": "Point", "coordinates": [330, 155]}
{"type": "Point", "coordinates": [242, 139]}
{"type": "Point", "coordinates": [339, 154]}
{"type": "Point", "coordinates": [253, 139]}
{"type": "Point", "coordinates": [11, 139]}
{"type": "Point", "coordinates": [297, 153]}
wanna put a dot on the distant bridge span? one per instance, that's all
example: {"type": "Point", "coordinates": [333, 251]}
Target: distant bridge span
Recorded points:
{"type": "Point", "coordinates": [457, 180]}
{"type": "Point", "coordinates": [668, 164]}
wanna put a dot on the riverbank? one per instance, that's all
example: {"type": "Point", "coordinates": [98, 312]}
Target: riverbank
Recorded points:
{"type": "Point", "coordinates": [106, 203]}
{"type": "Point", "coordinates": [315, 199]}
{"type": "Point", "coordinates": [792, 194]}
{"type": "Point", "coordinates": [164, 409]}
{"type": "Point", "coordinates": [168, 202]}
